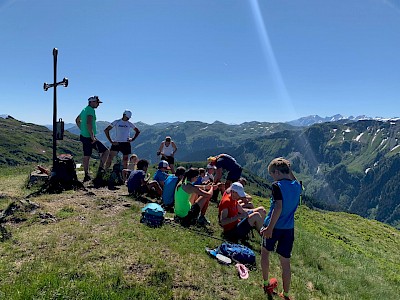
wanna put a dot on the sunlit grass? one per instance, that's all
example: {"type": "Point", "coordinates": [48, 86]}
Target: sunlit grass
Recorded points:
{"type": "Point", "coordinates": [97, 249]}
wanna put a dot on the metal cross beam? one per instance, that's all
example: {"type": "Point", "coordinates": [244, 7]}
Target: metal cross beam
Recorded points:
{"type": "Point", "coordinates": [54, 85]}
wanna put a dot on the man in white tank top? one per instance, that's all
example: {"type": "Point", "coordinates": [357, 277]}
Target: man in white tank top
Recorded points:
{"type": "Point", "coordinates": [167, 151]}
{"type": "Point", "coordinates": [122, 140]}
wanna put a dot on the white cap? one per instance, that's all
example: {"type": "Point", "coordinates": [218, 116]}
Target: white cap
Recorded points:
{"type": "Point", "coordinates": [163, 164]}
{"type": "Point", "coordinates": [238, 188]}
{"type": "Point", "coordinates": [128, 113]}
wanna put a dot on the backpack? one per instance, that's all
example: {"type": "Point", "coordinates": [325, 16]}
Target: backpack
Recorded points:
{"type": "Point", "coordinates": [153, 215]}
{"type": "Point", "coordinates": [237, 252]}
{"type": "Point", "coordinates": [65, 173]}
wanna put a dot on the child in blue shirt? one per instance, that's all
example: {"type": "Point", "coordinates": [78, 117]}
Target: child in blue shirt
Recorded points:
{"type": "Point", "coordinates": [202, 174]}
{"type": "Point", "coordinates": [278, 228]}
{"type": "Point", "coordinates": [161, 175]}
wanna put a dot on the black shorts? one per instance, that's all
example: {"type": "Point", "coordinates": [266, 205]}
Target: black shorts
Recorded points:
{"type": "Point", "coordinates": [241, 230]}
{"type": "Point", "coordinates": [169, 159]}
{"type": "Point", "coordinates": [88, 146]}
{"type": "Point", "coordinates": [191, 217]}
{"type": "Point", "coordinates": [234, 175]}
{"type": "Point", "coordinates": [284, 238]}
{"type": "Point", "coordinates": [124, 147]}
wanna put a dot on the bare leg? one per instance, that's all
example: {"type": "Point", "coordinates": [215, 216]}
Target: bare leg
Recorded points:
{"type": "Point", "coordinates": [286, 273]}
{"type": "Point", "coordinates": [265, 263]}
{"type": "Point", "coordinates": [261, 210]}
{"type": "Point", "coordinates": [103, 158]}
{"type": "Point", "coordinates": [156, 186]}
{"type": "Point", "coordinates": [125, 161]}
{"type": "Point", "coordinates": [86, 164]}
{"type": "Point", "coordinates": [255, 220]}
{"type": "Point", "coordinates": [203, 203]}
{"type": "Point", "coordinates": [110, 158]}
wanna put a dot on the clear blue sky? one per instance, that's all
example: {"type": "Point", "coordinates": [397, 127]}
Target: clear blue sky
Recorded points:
{"type": "Point", "coordinates": [232, 61]}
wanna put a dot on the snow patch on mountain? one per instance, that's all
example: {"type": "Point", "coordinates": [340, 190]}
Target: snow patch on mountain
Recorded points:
{"type": "Point", "coordinates": [314, 119]}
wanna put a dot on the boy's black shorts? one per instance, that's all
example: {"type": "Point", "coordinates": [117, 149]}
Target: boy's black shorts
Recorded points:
{"type": "Point", "coordinates": [169, 159]}
{"type": "Point", "coordinates": [124, 147]}
{"type": "Point", "coordinates": [284, 238]}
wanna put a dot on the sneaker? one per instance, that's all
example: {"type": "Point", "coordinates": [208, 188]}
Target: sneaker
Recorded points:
{"type": "Point", "coordinates": [202, 220]}
{"type": "Point", "coordinates": [87, 178]}
{"type": "Point", "coordinates": [269, 289]}
{"type": "Point", "coordinates": [283, 296]}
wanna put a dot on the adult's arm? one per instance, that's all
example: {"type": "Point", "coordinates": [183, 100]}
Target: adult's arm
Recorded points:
{"type": "Point", "coordinates": [137, 132]}
{"type": "Point", "coordinates": [107, 133]}
{"type": "Point", "coordinates": [160, 149]}
{"type": "Point", "coordinates": [90, 127]}
{"type": "Point", "coordinates": [218, 175]}
{"type": "Point", "coordinates": [192, 189]}
{"type": "Point", "coordinates": [78, 121]}
{"type": "Point", "coordinates": [224, 219]}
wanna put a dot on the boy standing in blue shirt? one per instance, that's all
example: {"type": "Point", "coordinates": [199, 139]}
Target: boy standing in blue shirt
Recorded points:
{"type": "Point", "coordinates": [278, 228]}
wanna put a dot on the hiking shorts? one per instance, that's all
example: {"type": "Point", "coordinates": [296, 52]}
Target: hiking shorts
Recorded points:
{"type": "Point", "coordinates": [284, 238]}
{"type": "Point", "coordinates": [169, 159]}
{"type": "Point", "coordinates": [234, 175]}
{"type": "Point", "coordinates": [191, 217]}
{"type": "Point", "coordinates": [88, 146]}
{"type": "Point", "coordinates": [124, 147]}
{"type": "Point", "coordinates": [241, 230]}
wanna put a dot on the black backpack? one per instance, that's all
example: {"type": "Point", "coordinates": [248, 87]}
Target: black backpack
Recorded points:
{"type": "Point", "coordinates": [65, 172]}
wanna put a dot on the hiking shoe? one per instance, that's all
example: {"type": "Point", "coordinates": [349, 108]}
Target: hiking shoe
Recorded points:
{"type": "Point", "coordinates": [283, 296]}
{"type": "Point", "coordinates": [87, 178]}
{"type": "Point", "coordinates": [202, 220]}
{"type": "Point", "coordinates": [269, 289]}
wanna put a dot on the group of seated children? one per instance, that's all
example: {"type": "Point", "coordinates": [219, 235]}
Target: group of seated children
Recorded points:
{"type": "Point", "coordinates": [188, 193]}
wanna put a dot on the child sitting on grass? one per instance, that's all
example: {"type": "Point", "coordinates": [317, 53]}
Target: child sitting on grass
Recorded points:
{"type": "Point", "coordinates": [137, 182]}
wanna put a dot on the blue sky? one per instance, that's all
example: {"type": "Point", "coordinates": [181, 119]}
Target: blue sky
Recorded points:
{"type": "Point", "coordinates": [232, 61]}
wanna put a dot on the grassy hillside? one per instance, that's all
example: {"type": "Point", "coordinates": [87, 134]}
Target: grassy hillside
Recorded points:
{"type": "Point", "coordinates": [26, 143]}
{"type": "Point", "coordinates": [90, 245]}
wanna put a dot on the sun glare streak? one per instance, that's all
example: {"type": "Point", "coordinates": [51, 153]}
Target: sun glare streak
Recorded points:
{"type": "Point", "coordinates": [272, 64]}
{"type": "Point", "coordinates": [279, 83]}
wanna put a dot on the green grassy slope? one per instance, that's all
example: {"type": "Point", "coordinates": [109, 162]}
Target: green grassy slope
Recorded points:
{"type": "Point", "coordinates": [26, 143]}
{"type": "Point", "coordinates": [95, 248]}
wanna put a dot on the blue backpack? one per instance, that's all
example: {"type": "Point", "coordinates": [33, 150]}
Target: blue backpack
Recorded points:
{"type": "Point", "coordinates": [238, 253]}
{"type": "Point", "coordinates": [153, 215]}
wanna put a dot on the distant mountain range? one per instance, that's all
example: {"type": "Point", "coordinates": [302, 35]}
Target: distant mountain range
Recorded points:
{"type": "Point", "coordinates": [304, 121]}
{"type": "Point", "coordinates": [314, 119]}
